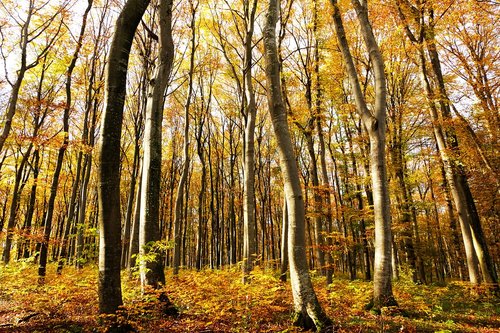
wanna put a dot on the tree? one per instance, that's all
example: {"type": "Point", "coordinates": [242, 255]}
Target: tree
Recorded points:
{"type": "Point", "coordinates": [249, 114]}
{"type": "Point", "coordinates": [39, 115]}
{"type": "Point", "coordinates": [374, 123]}
{"type": "Point", "coordinates": [185, 170]}
{"type": "Point", "coordinates": [73, 201]}
{"type": "Point", "coordinates": [62, 150]}
{"type": "Point", "coordinates": [308, 311]}
{"type": "Point", "coordinates": [28, 36]}
{"type": "Point", "coordinates": [110, 296]}
{"type": "Point", "coordinates": [151, 261]}
{"type": "Point", "coordinates": [308, 63]}
{"type": "Point", "coordinates": [440, 106]}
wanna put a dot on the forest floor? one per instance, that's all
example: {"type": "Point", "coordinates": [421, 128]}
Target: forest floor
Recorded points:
{"type": "Point", "coordinates": [217, 301]}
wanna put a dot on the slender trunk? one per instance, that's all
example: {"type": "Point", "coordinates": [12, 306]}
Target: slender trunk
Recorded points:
{"type": "Point", "coordinates": [130, 203]}
{"type": "Point", "coordinates": [182, 182]}
{"type": "Point", "coordinates": [109, 289]}
{"type": "Point", "coordinates": [63, 253]}
{"type": "Point", "coordinates": [14, 206]}
{"type": "Point", "coordinates": [307, 308]}
{"type": "Point", "coordinates": [232, 210]}
{"type": "Point", "coordinates": [284, 242]}
{"type": "Point", "coordinates": [201, 215]}
{"type": "Point", "coordinates": [376, 128]}
{"type": "Point", "coordinates": [249, 220]}
{"type": "Point", "coordinates": [133, 246]}
{"type": "Point", "coordinates": [325, 194]}
{"type": "Point", "coordinates": [151, 270]}
{"type": "Point", "coordinates": [80, 229]}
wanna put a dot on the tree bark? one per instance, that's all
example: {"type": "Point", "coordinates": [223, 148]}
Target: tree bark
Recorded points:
{"type": "Point", "coordinates": [284, 243]}
{"type": "Point", "coordinates": [249, 220]}
{"type": "Point", "coordinates": [109, 289]}
{"type": "Point", "coordinates": [307, 308]}
{"type": "Point", "coordinates": [376, 128]}
{"type": "Point", "coordinates": [151, 265]}
{"type": "Point", "coordinates": [475, 243]}
{"type": "Point", "coordinates": [185, 171]}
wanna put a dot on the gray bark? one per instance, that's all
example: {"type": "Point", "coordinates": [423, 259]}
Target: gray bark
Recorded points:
{"type": "Point", "coordinates": [249, 220]}
{"type": "Point", "coordinates": [284, 243]}
{"type": "Point", "coordinates": [307, 308]}
{"type": "Point", "coordinates": [62, 150]}
{"type": "Point", "coordinates": [179, 202]}
{"type": "Point", "coordinates": [109, 289]}
{"type": "Point", "coordinates": [376, 128]}
{"type": "Point", "coordinates": [151, 265]}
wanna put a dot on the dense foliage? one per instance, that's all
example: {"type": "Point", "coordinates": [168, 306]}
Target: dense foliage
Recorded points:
{"type": "Point", "coordinates": [417, 165]}
{"type": "Point", "coordinates": [217, 301]}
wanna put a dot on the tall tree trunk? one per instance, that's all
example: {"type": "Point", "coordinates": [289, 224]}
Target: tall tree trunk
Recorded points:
{"type": "Point", "coordinates": [249, 220]}
{"type": "Point", "coordinates": [62, 149]}
{"type": "Point", "coordinates": [232, 210]}
{"type": "Point", "coordinates": [475, 243]}
{"type": "Point", "coordinates": [109, 289]}
{"type": "Point", "coordinates": [70, 223]}
{"type": "Point", "coordinates": [376, 128]}
{"type": "Point", "coordinates": [325, 190]}
{"type": "Point", "coordinates": [182, 182]}
{"type": "Point", "coordinates": [284, 242]}
{"type": "Point", "coordinates": [151, 265]}
{"type": "Point", "coordinates": [14, 205]}
{"type": "Point", "coordinates": [307, 308]}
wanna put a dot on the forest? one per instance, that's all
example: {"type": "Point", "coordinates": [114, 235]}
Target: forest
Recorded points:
{"type": "Point", "coordinates": [249, 166]}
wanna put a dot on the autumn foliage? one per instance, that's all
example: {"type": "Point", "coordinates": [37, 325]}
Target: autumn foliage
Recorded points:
{"type": "Point", "coordinates": [213, 207]}
{"type": "Point", "coordinates": [217, 301]}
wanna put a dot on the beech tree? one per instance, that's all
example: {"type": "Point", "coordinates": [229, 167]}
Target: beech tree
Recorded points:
{"type": "Point", "coordinates": [152, 268]}
{"type": "Point", "coordinates": [207, 180]}
{"type": "Point", "coordinates": [110, 295]}
{"type": "Point", "coordinates": [28, 36]}
{"type": "Point", "coordinates": [62, 150]}
{"type": "Point", "coordinates": [249, 114]}
{"type": "Point", "coordinates": [424, 38]}
{"type": "Point", "coordinates": [374, 123]}
{"type": "Point", "coordinates": [308, 311]}
{"type": "Point", "coordinates": [181, 189]}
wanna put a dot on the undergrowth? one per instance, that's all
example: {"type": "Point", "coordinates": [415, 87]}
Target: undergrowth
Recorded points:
{"type": "Point", "coordinates": [217, 301]}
